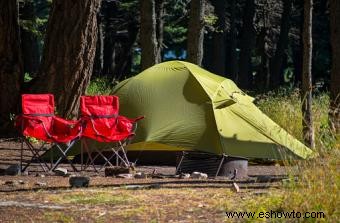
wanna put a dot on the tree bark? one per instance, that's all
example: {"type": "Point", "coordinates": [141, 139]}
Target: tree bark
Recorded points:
{"type": "Point", "coordinates": [10, 64]}
{"type": "Point", "coordinates": [247, 44]}
{"type": "Point", "coordinates": [99, 56]}
{"type": "Point", "coordinates": [334, 110]}
{"type": "Point", "coordinates": [276, 68]}
{"type": "Point", "coordinates": [307, 121]}
{"type": "Point", "coordinates": [196, 32]}
{"type": "Point", "coordinates": [160, 12]}
{"type": "Point", "coordinates": [219, 51]}
{"type": "Point", "coordinates": [69, 52]}
{"type": "Point", "coordinates": [148, 42]}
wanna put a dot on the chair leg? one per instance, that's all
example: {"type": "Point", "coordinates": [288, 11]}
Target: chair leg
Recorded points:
{"type": "Point", "coordinates": [21, 155]}
{"type": "Point", "coordinates": [84, 145]}
{"type": "Point", "coordinates": [115, 154]}
{"type": "Point", "coordinates": [64, 155]}
{"type": "Point", "coordinates": [36, 155]}
{"type": "Point", "coordinates": [124, 153]}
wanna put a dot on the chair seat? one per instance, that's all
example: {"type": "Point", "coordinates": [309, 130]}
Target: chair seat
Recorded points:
{"type": "Point", "coordinates": [49, 129]}
{"type": "Point", "coordinates": [108, 129]}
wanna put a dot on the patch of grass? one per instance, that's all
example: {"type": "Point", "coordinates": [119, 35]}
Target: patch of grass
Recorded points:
{"type": "Point", "coordinates": [58, 216]}
{"type": "Point", "coordinates": [93, 198]}
{"type": "Point", "coordinates": [318, 186]}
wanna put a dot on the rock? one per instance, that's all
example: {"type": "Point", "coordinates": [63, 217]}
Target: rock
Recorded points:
{"type": "Point", "coordinates": [184, 176]}
{"type": "Point", "coordinates": [60, 171]}
{"type": "Point", "coordinates": [125, 175]}
{"type": "Point", "coordinates": [40, 184]}
{"type": "Point", "coordinates": [259, 193]}
{"type": "Point", "coordinates": [21, 182]}
{"type": "Point", "coordinates": [136, 187]}
{"type": "Point", "coordinates": [79, 181]}
{"type": "Point", "coordinates": [13, 170]}
{"type": "Point", "coordinates": [116, 170]}
{"type": "Point", "coordinates": [199, 175]}
{"type": "Point", "coordinates": [235, 187]}
{"type": "Point", "coordinates": [140, 175]}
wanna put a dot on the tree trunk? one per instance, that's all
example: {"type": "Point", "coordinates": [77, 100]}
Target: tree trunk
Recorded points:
{"type": "Point", "coordinates": [247, 44]}
{"type": "Point", "coordinates": [124, 60]}
{"type": "Point", "coordinates": [276, 68]}
{"type": "Point", "coordinates": [196, 32]}
{"type": "Point", "coordinates": [10, 64]}
{"type": "Point", "coordinates": [109, 9]}
{"type": "Point", "coordinates": [262, 75]}
{"type": "Point", "coordinates": [334, 110]}
{"type": "Point", "coordinates": [219, 51]}
{"type": "Point", "coordinates": [148, 42]}
{"type": "Point", "coordinates": [233, 42]}
{"type": "Point", "coordinates": [29, 40]}
{"type": "Point", "coordinates": [69, 52]}
{"type": "Point", "coordinates": [160, 12]}
{"type": "Point", "coordinates": [99, 56]}
{"type": "Point", "coordinates": [307, 121]}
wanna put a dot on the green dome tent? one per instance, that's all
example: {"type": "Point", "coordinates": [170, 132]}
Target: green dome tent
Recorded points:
{"type": "Point", "coordinates": [189, 108]}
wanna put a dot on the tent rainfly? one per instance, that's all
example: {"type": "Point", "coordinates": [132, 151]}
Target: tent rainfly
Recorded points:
{"type": "Point", "coordinates": [189, 108]}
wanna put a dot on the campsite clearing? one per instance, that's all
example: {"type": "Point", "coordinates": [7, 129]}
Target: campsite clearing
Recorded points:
{"type": "Point", "coordinates": [109, 199]}
{"type": "Point", "coordinates": [184, 203]}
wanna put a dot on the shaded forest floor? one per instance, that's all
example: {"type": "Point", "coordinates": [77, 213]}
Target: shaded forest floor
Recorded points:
{"type": "Point", "coordinates": [41, 197]}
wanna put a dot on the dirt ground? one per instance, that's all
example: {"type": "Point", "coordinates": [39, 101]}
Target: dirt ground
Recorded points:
{"type": "Point", "coordinates": [44, 197]}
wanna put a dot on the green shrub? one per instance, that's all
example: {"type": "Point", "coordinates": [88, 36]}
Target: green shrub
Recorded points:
{"type": "Point", "coordinates": [99, 86]}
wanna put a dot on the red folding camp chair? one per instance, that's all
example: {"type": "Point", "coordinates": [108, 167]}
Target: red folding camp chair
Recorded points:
{"type": "Point", "coordinates": [102, 123]}
{"type": "Point", "coordinates": [39, 121]}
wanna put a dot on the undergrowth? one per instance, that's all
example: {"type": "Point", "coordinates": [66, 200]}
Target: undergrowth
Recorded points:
{"type": "Point", "coordinates": [317, 188]}
{"type": "Point", "coordinates": [284, 107]}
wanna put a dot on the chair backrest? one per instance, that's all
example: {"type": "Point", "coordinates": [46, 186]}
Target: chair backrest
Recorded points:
{"type": "Point", "coordinates": [99, 106]}
{"type": "Point", "coordinates": [37, 115]}
{"type": "Point", "coordinates": [38, 104]}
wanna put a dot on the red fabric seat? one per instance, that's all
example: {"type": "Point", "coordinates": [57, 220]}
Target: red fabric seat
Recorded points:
{"type": "Point", "coordinates": [101, 120]}
{"type": "Point", "coordinates": [39, 121]}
